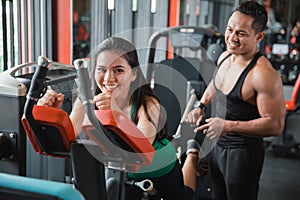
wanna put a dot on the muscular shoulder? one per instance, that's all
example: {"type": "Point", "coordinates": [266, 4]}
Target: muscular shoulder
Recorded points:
{"type": "Point", "coordinates": [264, 76]}
{"type": "Point", "coordinates": [222, 56]}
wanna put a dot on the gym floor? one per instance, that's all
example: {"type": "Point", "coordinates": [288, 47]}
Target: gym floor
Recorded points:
{"type": "Point", "coordinates": [280, 177]}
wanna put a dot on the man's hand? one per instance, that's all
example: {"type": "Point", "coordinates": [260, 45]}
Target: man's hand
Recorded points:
{"type": "Point", "coordinates": [213, 128]}
{"type": "Point", "coordinates": [195, 117]}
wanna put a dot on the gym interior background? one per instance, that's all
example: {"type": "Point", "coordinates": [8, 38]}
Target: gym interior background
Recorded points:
{"type": "Point", "coordinates": [65, 30]}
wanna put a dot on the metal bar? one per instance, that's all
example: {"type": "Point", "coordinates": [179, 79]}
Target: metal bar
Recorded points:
{"type": "Point", "coordinates": [43, 28]}
{"type": "Point", "coordinates": [11, 28]}
{"type": "Point", "coordinates": [30, 32]}
{"type": "Point", "coordinates": [49, 29]}
{"type": "Point", "coordinates": [19, 31]}
{"type": "Point", "coordinates": [4, 27]}
{"type": "Point", "coordinates": [99, 22]}
{"type": "Point", "coordinates": [37, 26]}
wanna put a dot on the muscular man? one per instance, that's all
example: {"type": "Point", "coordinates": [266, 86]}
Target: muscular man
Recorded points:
{"type": "Point", "coordinates": [255, 106]}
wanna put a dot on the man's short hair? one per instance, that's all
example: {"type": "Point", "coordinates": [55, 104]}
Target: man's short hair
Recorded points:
{"type": "Point", "coordinates": [256, 11]}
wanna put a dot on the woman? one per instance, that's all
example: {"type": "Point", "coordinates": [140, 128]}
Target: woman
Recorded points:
{"type": "Point", "coordinates": [122, 87]}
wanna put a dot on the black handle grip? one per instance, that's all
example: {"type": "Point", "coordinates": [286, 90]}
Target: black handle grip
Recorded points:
{"type": "Point", "coordinates": [85, 92]}
{"type": "Point", "coordinates": [38, 87]}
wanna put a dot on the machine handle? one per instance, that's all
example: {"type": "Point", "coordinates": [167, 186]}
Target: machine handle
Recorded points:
{"type": "Point", "coordinates": [37, 90]}
{"type": "Point", "coordinates": [188, 108]}
{"type": "Point", "coordinates": [86, 97]}
{"type": "Point", "coordinates": [85, 93]}
{"type": "Point", "coordinates": [38, 86]}
{"type": "Point", "coordinates": [146, 185]}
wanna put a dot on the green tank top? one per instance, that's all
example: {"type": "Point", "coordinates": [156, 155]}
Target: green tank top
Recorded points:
{"type": "Point", "coordinates": [163, 161]}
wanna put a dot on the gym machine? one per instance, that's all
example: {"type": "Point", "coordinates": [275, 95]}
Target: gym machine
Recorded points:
{"type": "Point", "coordinates": [16, 156]}
{"type": "Point", "coordinates": [110, 145]}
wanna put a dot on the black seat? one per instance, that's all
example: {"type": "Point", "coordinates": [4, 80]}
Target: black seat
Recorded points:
{"type": "Point", "coordinates": [171, 78]}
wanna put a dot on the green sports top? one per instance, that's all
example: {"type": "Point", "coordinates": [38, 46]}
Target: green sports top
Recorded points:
{"type": "Point", "coordinates": [163, 161]}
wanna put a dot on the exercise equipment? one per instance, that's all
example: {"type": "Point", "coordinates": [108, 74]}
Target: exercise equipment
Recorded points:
{"type": "Point", "coordinates": [13, 187]}
{"type": "Point", "coordinates": [110, 145]}
{"type": "Point", "coordinates": [180, 80]}
{"type": "Point", "coordinates": [286, 145]}
{"type": "Point", "coordinates": [191, 66]}
{"type": "Point", "coordinates": [16, 155]}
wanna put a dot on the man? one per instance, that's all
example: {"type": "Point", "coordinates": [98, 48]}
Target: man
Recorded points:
{"type": "Point", "coordinates": [255, 106]}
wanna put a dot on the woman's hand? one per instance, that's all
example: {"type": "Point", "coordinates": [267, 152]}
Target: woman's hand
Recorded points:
{"type": "Point", "coordinates": [51, 99]}
{"type": "Point", "coordinates": [106, 101]}
{"type": "Point", "coordinates": [103, 101]}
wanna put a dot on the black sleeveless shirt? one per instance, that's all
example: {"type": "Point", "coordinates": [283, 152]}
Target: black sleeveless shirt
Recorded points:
{"type": "Point", "coordinates": [237, 109]}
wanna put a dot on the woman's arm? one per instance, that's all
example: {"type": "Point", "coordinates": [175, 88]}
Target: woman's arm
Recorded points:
{"type": "Point", "coordinates": [147, 127]}
{"type": "Point", "coordinates": [77, 116]}
{"type": "Point", "coordinates": [52, 99]}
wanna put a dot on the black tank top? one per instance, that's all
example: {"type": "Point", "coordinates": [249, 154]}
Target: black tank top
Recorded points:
{"type": "Point", "coordinates": [237, 109]}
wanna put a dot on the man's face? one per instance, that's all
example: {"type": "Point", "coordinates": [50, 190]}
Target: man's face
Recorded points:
{"type": "Point", "coordinates": [240, 37]}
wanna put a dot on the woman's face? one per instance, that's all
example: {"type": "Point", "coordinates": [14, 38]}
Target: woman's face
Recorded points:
{"type": "Point", "coordinates": [113, 74]}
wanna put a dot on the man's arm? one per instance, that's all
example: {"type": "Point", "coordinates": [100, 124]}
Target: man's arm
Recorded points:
{"type": "Point", "coordinates": [197, 115]}
{"type": "Point", "coordinates": [270, 102]}
{"type": "Point", "coordinates": [266, 84]}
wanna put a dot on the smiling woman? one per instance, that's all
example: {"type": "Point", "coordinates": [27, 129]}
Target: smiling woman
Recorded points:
{"type": "Point", "coordinates": [113, 75]}
{"type": "Point", "coordinates": [121, 86]}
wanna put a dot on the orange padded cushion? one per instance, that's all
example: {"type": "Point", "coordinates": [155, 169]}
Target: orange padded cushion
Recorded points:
{"type": "Point", "coordinates": [53, 117]}
{"type": "Point", "coordinates": [292, 104]}
{"type": "Point", "coordinates": [118, 123]}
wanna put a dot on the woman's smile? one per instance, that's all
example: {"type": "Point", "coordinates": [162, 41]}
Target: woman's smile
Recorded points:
{"type": "Point", "coordinates": [110, 87]}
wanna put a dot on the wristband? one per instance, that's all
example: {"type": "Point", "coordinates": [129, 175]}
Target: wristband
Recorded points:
{"type": "Point", "coordinates": [200, 105]}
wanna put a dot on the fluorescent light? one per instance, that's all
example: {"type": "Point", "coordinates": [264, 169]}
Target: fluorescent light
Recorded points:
{"type": "Point", "coordinates": [134, 5]}
{"type": "Point", "coordinates": [110, 4]}
{"type": "Point", "coordinates": [153, 6]}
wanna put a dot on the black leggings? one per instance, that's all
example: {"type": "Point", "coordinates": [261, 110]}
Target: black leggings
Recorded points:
{"type": "Point", "coordinates": [169, 187]}
{"type": "Point", "coordinates": [236, 172]}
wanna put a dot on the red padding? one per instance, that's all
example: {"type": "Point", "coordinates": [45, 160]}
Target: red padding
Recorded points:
{"type": "Point", "coordinates": [292, 104]}
{"type": "Point", "coordinates": [125, 129]}
{"type": "Point", "coordinates": [52, 117]}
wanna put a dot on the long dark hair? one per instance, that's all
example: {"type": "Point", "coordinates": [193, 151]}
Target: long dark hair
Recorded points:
{"type": "Point", "coordinates": [140, 89]}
